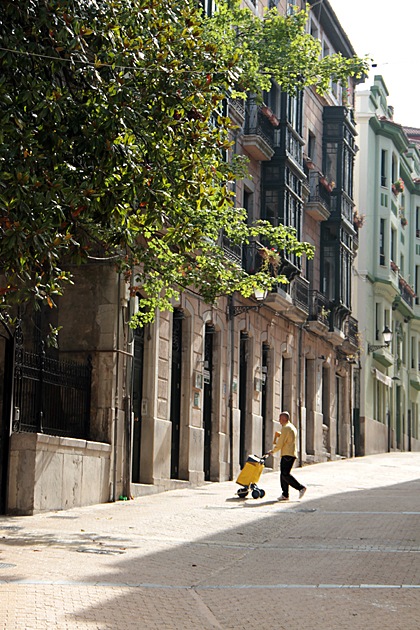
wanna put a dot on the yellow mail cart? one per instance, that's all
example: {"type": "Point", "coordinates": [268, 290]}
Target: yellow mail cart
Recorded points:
{"type": "Point", "coordinates": [249, 477]}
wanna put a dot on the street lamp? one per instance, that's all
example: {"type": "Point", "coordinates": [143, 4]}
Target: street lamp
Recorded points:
{"type": "Point", "coordinates": [259, 294]}
{"type": "Point", "coordinates": [387, 337]}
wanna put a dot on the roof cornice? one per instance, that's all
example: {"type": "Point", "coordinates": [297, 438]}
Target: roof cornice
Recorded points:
{"type": "Point", "coordinates": [332, 27]}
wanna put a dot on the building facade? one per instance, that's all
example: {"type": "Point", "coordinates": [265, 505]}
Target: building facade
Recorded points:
{"type": "Point", "coordinates": [387, 277]}
{"type": "Point", "coordinates": [187, 399]}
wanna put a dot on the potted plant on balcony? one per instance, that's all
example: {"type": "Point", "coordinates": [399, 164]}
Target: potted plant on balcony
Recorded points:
{"type": "Point", "coordinates": [327, 185]}
{"type": "Point", "coordinates": [268, 113]}
{"type": "Point", "coordinates": [398, 186]}
{"type": "Point", "coordinates": [271, 258]}
{"type": "Point", "coordinates": [404, 221]}
{"type": "Point", "coordinates": [308, 162]}
{"type": "Point", "coordinates": [358, 219]}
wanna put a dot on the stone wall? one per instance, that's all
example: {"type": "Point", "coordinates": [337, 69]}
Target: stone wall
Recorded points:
{"type": "Point", "coordinates": [56, 473]}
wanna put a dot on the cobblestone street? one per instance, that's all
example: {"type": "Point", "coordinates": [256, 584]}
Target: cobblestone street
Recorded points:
{"type": "Point", "coordinates": [346, 556]}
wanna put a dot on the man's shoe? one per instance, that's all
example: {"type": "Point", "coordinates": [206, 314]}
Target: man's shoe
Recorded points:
{"type": "Point", "coordinates": [301, 493]}
{"type": "Point", "coordinates": [282, 498]}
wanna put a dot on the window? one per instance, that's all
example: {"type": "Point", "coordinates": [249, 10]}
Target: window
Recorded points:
{"type": "Point", "coordinates": [418, 221]}
{"type": "Point", "coordinates": [413, 354]}
{"type": "Point", "coordinates": [348, 170]}
{"type": "Point", "coordinates": [272, 99]}
{"type": "Point", "coordinates": [393, 252]}
{"type": "Point", "coordinates": [313, 29]}
{"type": "Point", "coordinates": [330, 166]}
{"type": "Point", "coordinates": [384, 166]}
{"type": "Point", "coordinates": [208, 7]}
{"type": "Point", "coordinates": [382, 241]}
{"type": "Point", "coordinates": [271, 206]}
{"type": "Point", "coordinates": [394, 169]}
{"type": "Point", "coordinates": [249, 204]}
{"type": "Point", "coordinates": [328, 272]}
{"type": "Point", "coordinates": [294, 112]}
{"type": "Point", "coordinates": [311, 147]}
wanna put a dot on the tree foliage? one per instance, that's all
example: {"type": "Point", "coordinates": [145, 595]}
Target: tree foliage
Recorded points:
{"type": "Point", "coordinates": [113, 140]}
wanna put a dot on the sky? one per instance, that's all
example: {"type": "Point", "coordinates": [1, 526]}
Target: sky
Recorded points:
{"type": "Point", "coordinates": [389, 32]}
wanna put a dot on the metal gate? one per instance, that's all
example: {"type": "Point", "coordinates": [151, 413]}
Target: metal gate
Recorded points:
{"type": "Point", "coordinates": [50, 396]}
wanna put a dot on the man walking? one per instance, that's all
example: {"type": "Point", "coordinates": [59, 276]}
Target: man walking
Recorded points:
{"type": "Point", "coordinates": [286, 443]}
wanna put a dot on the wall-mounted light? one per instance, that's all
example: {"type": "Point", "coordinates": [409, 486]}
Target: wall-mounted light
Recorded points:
{"type": "Point", "coordinates": [387, 337]}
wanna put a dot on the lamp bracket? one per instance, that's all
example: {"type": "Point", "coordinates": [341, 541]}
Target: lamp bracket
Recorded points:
{"type": "Point", "coordinates": [373, 347]}
{"type": "Point", "coordinates": [237, 310]}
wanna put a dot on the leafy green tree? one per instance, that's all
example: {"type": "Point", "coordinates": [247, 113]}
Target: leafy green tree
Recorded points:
{"type": "Point", "coordinates": [113, 140]}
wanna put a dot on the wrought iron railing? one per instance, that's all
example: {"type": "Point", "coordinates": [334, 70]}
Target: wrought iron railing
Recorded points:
{"type": "Point", "coordinates": [406, 291]}
{"type": "Point", "coordinates": [319, 308]}
{"type": "Point", "coordinates": [257, 124]}
{"type": "Point", "coordinates": [352, 330]}
{"type": "Point", "coordinates": [238, 107]}
{"type": "Point", "coordinates": [233, 251]}
{"type": "Point", "coordinates": [319, 195]}
{"type": "Point", "coordinates": [51, 396]}
{"type": "Point", "coordinates": [300, 293]}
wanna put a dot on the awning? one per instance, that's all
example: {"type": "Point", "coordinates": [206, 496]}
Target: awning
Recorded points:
{"type": "Point", "coordinates": [386, 380]}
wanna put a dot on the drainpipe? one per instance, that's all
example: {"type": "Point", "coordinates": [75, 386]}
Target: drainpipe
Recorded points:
{"type": "Point", "coordinates": [232, 366]}
{"type": "Point", "coordinates": [128, 404]}
{"type": "Point", "coordinates": [116, 400]}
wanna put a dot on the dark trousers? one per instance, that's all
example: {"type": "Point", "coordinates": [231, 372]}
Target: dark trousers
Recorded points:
{"type": "Point", "coordinates": [286, 479]}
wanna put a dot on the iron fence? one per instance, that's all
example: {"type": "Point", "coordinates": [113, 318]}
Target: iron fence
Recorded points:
{"type": "Point", "coordinates": [51, 396]}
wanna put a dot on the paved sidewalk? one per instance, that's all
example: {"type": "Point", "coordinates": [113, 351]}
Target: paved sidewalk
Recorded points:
{"type": "Point", "coordinates": [346, 556]}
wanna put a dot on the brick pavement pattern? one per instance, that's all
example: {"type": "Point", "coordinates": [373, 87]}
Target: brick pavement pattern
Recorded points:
{"type": "Point", "coordinates": [346, 556]}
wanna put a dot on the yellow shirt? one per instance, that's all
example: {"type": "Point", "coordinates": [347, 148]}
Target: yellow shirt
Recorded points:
{"type": "Point", "coordinates": [286, 442]}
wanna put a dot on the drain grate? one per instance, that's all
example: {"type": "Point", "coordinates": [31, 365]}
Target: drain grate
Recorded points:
{"type": "Point", "coordinates": [6, 565]}
{"type": "Point", "coordinates": [109, 552]}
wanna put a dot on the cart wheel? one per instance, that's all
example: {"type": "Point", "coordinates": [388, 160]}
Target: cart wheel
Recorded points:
{"type": "Point", "coordinates": [262, 493]}
{"type": "Point", "coordinates": [256, 493]}
{"type": "Point", "coordinates": [242, 493]}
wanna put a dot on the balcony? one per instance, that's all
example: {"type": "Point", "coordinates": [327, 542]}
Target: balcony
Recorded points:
{"type": "Point", "coordinates": [407, 292]}
{"type": "Point", "coordinates": [350, 345]}
{"type": "Point", "coordinates": [352, 331]}
{"type": "Point", "coordinates": [318, 203]}
{"type": "Point", "coordinates": [405, 299]}
{"type": "Point", "coordinates": [414, 376]}
{"type": "Point", "coordinates": [319, 313]}
{"type": "Point", "coordinates": [258, 138]}
{"type": "Point", "coordinates": [237, 111]}
{"type": "Point", "coordinates": [292, 299]}
{"type": "Point", "coordinates": [232, 251]}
